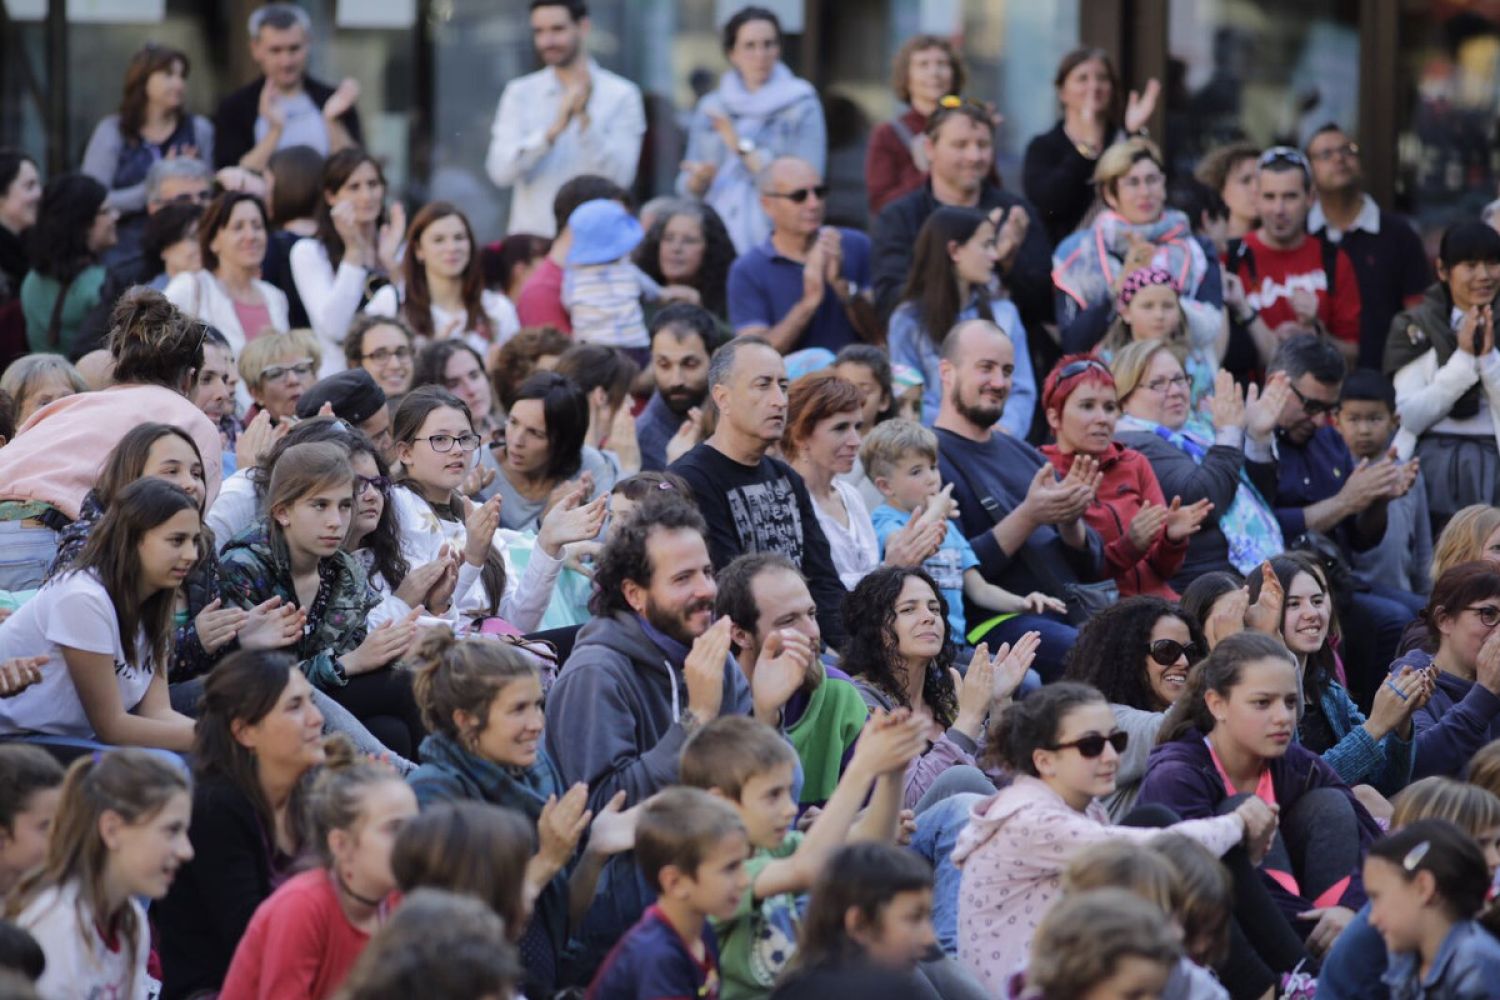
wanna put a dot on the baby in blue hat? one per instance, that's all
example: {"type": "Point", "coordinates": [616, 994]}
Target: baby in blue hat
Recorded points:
{"type": "Point", "coordinates": [602, 289]}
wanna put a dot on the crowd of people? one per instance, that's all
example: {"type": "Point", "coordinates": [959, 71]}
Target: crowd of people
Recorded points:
{"type": "Point", "coordinates": [1086, 587]}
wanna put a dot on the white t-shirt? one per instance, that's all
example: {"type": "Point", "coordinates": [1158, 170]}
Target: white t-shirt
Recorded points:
{"type": "Point", "coordinates": [75, 611]}
{"type": "Point", "coordinates": [79, 962]}
{"type": "Point", "coordinates": [855, 549]}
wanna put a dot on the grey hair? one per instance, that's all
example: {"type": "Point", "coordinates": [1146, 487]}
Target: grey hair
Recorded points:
{"type": "Point", "coordinates": [1487, 216]}
{"type": "Point", "coordinates": [280, 16]}
{"type": "Point", "coordinates": [1309, 353]}
{"type": "Point", "coordinates": [763, 179]}
{"type": "Point", "coordinates": [182, 166]}
{"type": "Point", "coordinates": [721, 364]}
{"type": "Point", "coordinates": [17, 380]}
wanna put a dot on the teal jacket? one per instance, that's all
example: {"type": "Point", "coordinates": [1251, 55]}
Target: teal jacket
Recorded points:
{"type": "Point", "coordinates": [254, 568]}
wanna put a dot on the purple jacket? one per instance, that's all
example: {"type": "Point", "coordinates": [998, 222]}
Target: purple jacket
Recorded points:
{"type": "Point", "coordinates": [1181, 776]}
{"type": "Point", "coordinates": [1459, 718]}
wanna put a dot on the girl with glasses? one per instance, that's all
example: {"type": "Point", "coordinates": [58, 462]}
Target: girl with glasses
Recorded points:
{"type": "Point", "coordinates": [1064, 749]}
{"type": "Point", "coordinates": [1230, 739]}
{"type": "Point", "coordinates": [1364, 751]}
{"type": "Point", "coordinates": [1463, 647]}
{"type": "Point", "coordinates": [1145, 537]}
{"type": "Point", "coordinates": [385, 347]}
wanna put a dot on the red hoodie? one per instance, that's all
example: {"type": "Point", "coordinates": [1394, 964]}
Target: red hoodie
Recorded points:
{"type": "Point", "coordinates": [1127, 485]}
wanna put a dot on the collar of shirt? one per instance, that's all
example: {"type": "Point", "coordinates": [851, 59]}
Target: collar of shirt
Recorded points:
{"type": "Point", "coordinates": [1368, 219]}
{"type": "Point", "coordinates": [769, 249]}
{"type": "Point", "coordinates": [552, 85]}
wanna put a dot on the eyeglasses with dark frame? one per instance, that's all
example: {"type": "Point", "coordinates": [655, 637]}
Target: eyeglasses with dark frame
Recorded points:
{"type": "Point", "coordinates": [1312, 407]}
{"type": "Point", "coordinates": [443, 443]}
{"type": "Point", "coordinates": [1092, 745]}
{"type": "Point", "coordinates": [380, 484]}
{"type": "Point", "coordinates": [385, 354]}
{"type": "Point", "coordinates": [801, 194]}
{"type": "Point", "coordinates": [1489, 615]}
{"type": "Point", "coordinates": [278, 373]}
{"type": "Point", "coordinates": [1168, 651]}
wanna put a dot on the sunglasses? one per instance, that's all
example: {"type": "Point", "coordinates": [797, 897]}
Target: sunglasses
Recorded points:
{"type": "Point", "coordinates": [802, 194]}
{"type": "Point", "coordinates": [1277, 155]}
{"type": "Point", "coordinates": [1313, 407]}
{"type": "Point", "coordinates": [1092, 745]}
{"type": "Point", "coordinates": [1079, 367]}
{"type": "Point", "coordinates": [1168, 651]}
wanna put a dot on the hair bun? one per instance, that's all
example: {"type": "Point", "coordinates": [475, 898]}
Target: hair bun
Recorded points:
{"type": "Point", "coordinates": [340, 753]}
{"type": "Point", "coordinates": [433, 646]}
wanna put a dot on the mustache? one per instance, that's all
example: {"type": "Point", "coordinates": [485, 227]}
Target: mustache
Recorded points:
{"type": "Point", "coordinates": [697, 606]}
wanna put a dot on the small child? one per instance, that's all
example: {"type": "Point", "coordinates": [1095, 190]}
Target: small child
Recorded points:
{"type": "Point", "coordinates": [1367, 419]}
{"type": "Point", "coordinates": [30, 789]}
{"type": "Point", "coordinates": [1149, 307]}
{"type": "Point", "coordinates": [692, 848]}
{"type": "Point", "coordinates": [602, 289]}
{"type": "Point", "coordinates": [753, 767]}
{"type": "Point", "coordinates": [901, 459]}
{"type": "Point", "coordinates": [1427, 882]}
{"type": "Point", "coordinates": [1104, 943]}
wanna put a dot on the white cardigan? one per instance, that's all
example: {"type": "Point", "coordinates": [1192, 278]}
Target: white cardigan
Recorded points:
{"type": "Point", "coordinates": [1426, 392]}
{"type": "Point", "coordinates": [504, 320]}
{"type": "Point", "coordinates": [330, 297]}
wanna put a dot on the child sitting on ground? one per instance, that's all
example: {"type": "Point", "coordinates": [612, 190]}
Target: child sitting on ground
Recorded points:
{"type": "Point", "coordinates": [753, 767]}
{"type": "Point", "coordinates": [1101, 943]}
{"type": "Point", "coordinates": [901, 459]}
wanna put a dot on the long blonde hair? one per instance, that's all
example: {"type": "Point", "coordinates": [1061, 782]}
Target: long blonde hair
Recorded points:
{"type": "Point", "coordinates": [1463, 539]}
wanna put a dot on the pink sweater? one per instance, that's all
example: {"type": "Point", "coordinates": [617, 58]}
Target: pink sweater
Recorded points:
{"type": "Point", "coordinates": [57, 454]}
{"type": "Point", "coordinates": [1012, 856]}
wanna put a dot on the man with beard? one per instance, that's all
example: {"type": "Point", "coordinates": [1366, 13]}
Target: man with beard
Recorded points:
{"type": "Point", "coordinates": [682, 337]}
{"type": "Point", "coordinates": [752, 502]}
{"type": "Point", "coordinates": [1319, 488]}
{"type": "Point", "coordinates": [960, 146]}
{"type": "Point", "coordinates": [571, 117]}
{"type": "Point", "coordinates": [1390, 264]}
{"type": "Point", "coordinates": [1025, 525]}
{"type": "Point", "coordinates": [654, 663]}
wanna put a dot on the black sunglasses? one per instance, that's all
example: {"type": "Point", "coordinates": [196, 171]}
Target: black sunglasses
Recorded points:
{"type": "Point", "coordinates": [1313, 407]}
{"type": "Point", "coordinates": [801, 194]}
{"type": "Point", "coordinates": [1079, 367]}
{"type": "Point", "coordinates": [1168, 651]}
{"type": "Point", "coordinates": [1092, 745]}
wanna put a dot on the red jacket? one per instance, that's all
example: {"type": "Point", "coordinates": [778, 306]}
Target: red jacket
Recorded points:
{"type": "Point", "coordinates": [890, 171]}
{"type": "Point", "coordinates": [1127, 484]}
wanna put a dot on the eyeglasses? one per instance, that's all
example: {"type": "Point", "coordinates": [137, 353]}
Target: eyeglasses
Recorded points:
{"type": "Point", "coordinates": [377, 483]}
{"type": "Point", "coordinates": [1092, 745]}
{"type": "Point", "coordinates": [1163, 384]}
{"type": "Point", "coordinates": [801, 194]}
{"type": "Point", "coordinates": [1349, 149]}
{"type": "Point", "coordinates": [443, 443]}
{"type": "Point", "coordinates": [278, 373]}
{"type": "Point", "coordinates": [385, 354]}
{"type": "Point", "coordinates": [1079, 367]}
{"type": "Point", "coordinates": [1489, 615]}
{"type": "Point", "coordinates": [1168, 651]}
{"type": "Point", "coordinates": [1153, 180]}
{"type": "Point", "coordinates": [1313, 407]}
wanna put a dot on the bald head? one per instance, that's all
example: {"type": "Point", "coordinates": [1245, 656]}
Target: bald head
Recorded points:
{"type": "Point", "coordinates": [978, 363]}
{"type": "Point", "coordinates": [973, 335]}
{"type": "Point", "coordinates": [782, 183]}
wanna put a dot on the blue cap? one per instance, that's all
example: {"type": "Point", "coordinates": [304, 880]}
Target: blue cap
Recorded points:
{"type": "Point", "coordinates": [603, 231]}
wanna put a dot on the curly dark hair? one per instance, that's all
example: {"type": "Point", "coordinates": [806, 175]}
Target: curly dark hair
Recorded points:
{"type": "Point", "coordinates": [712, 280]}
{"type": "Point", "coordinates": [58, 245]}
{"type": "Point", "coordinates": [625, 556]}
{"type": "Point", "coordinates": [1110, 651]}
{"type": "Point", "coordinates": [871, 648]}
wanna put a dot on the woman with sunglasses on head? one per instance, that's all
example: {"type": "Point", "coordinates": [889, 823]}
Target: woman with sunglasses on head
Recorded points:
{"type": "Point", "coordinates": [1137, 653]}
{"type": "Point", "coordinates": [1463, 649]}
{"type": "Point", "coordinates": [1136, 229]}
{"type": "Point", "coordinates": [952, 278]}
{"type": "Point", "coordinates": [1374, 751]}
{"type": "Point", "coordinates": [1063, 747]}
{"type": "Point", "coordinates": [1199, 463]}
{"type": "Point", "coordinates": [1145, 538]}
{"type": "Point", "coordinates": [1441, 357]}
{"type": "Point", "coordinates": [1230, 738]}
{"type": "Point", "coordinates": [759, 111]}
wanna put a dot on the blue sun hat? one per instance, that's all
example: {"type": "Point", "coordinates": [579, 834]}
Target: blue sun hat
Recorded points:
{"type": "Point", "coordinates": [603, 231]}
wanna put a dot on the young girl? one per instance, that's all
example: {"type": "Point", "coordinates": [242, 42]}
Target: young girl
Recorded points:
{"type": "Point", "coordinates": [435, 437]}
{"type": "Point", "coordinates": [296, 553]}
{"type": "Point", "coordinates": [1064, 748]}
{"type": "Point", "coordinates": [872, 905]}
{"type": "Point", "coordinates": [30, 788]}
{"type": "Point", "coordinates": [106, 628]}
{"type": "Point", "coordinates": [473, 848]}
{"type": "Point", "coordinates": [121, 834]}
{"type": "Point", "coordinates": [305, 936]}
{"type": "Point", "coordinates": [259, 735]}
{"type": "Point", "coordinates": [1148, 306]}
{"type": "Point", "coordinates": [1427, 882]}
{"type": "Point", "coordinates": [1102, 945]}
{"type": "Point", "coordinates": [482, 701]}
{"type": "Point", "coordinates": [1228, 739]}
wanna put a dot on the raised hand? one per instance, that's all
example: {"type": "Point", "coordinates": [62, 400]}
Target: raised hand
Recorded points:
{"type": "Point", "coordinates": [1184, 522]}
{"type": "Point", "coordinates": [257, 440]}
{"type": "Point", "coordinates": [1226, 408]}
{"type": "Point", "coordinates": [780, 671]}
{"type": "Point", "coordinates": [420, 580]}
{"type": "Point", "coordinates": [218, 625]}
{"type": "Point", "coordinates": [613, 830]}
{"type": "Point", "coordinates": [1139, 107]}
{"type": "Point", "coordinates": [976, 690]}
{"type": "Point", "coordinates": [480, 526]}
{"type": "Point", "coordinates": [570, 520]}
{"type": "Point", "coordinates": [561, 824]}
{"type": "Point", "coordinates": [688, 436]}
{"type": "Point", "coordinates": [814, 276]}
{"type": "Point", "coordinates": [1265, 614]}
{"type": "Point", "coordinates": [1012, 662]}
{"type": "Point", "coordinates": [342, 99]}
{"type": "Point", "coordinates": [477, 481]}
{"type": "Point", "coordinates": [272, 624]}
{"type": "Point", "coordinates": [889, 742]}
{"type": "Point", "coordinates": [1395, 701]}
{"type": "Point", "coordinates": [440, 597]}
{"type": "Point", "coordinates": [704, 670]}
{"type": "Point", "coordinates": [1263, 406]}
{"type": "Point", "coordinates": [914, 541]}
{"type": "Point", "coordinates": [1227, 617]}
{"type": "Point", "coordinates": [392, 234]}
{"type": "Point", "coordinates": [270, 109]}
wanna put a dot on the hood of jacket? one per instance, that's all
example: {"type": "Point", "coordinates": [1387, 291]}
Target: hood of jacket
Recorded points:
{"type": "Point", "coordinates": [990, 814]}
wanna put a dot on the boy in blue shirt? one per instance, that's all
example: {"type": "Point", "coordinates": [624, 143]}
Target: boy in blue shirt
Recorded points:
{"type": "Point", "coordinates": [901, 459]}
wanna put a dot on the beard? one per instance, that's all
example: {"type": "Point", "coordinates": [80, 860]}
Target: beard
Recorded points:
{"type": "Point", "coordinates": [681, 399]}
{"type": "Point", "coordinates": [978, 412]}
{"type": "Point", "coordinates": [677, 622]}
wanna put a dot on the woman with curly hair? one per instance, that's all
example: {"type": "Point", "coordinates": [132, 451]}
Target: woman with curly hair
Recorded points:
{"type": "Point", "coordinates": [1137, 653]}
{"type": "Point", "coordinates": [73, 229]}
{"type": "Point", "coordinates": [688, 245]}
{"type": "Point", "coordinates": [901, 655]}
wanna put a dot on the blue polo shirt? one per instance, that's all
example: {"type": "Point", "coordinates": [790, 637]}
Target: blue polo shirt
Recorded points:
{"type": "Point", "coordinates": [1306, 474]}
{"type": "Point", "coordinates": [764, 286]}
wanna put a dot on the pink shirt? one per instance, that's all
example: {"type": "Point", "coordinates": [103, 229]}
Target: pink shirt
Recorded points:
{"type": "Point", "coordinates": [57, 454]}
{"type": "Point", "coordinates": [540, 302]}
{"type": "Point", "coordinates": [254, 320]}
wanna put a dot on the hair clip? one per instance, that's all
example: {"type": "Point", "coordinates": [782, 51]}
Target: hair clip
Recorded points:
{"type": "Point", "coordinates": [1415, 855]}
{"type": "Point", "coordinates": [950, 101]}
{"type": "Point", "coordinates": [664, 485]}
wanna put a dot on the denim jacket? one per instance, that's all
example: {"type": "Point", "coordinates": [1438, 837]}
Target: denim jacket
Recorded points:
{"type": "Point", "coordinates": [1467, 967]}
{"type": "Point", "coordinates": [1356, 757]}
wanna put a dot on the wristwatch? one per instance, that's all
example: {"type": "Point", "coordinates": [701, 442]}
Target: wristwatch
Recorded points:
{"type": "Point", "coordinates": [745, 147]}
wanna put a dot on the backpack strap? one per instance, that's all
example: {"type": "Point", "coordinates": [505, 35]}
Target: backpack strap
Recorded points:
{"type": "Point", "coordinates": [902, 132]}
{"type": "Point", "coordinates": [54, 325]}
{"type": "Point", "coordinates": [1330, 261]}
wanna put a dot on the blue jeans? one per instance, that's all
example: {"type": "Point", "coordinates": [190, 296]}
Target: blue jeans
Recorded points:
{"type": "Point", "coordinates": [25, 553]}
{"type": "Point", "coordinates": [938, 827]}
{"type": "Point", "coordinates": [1057, 638]}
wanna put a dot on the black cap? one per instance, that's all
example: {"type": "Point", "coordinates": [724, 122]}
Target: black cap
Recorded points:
{"type": "Point", "coordinates": [353, 393]}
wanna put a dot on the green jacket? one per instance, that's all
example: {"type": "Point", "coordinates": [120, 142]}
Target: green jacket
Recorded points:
{"type": "Point", "coordinates": [255, 567]}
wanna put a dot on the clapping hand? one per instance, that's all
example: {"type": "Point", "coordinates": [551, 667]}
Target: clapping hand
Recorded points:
{"type": "Point", "coordinates": [1140, 106]}
{"type": "Point", "coordinates": [1227, 405]}
{"type": "Point", "coordinates": [571, 520]}
{"type": "Point", "coordinates": [613, 830]}
{"type": "Point", "coordinates": [1265, 614]}
{"type": "Point", "coordinates": [780, 671]}
{"type": "Point", "coordinates": [1184, 522]}
{"type": "Point", "coordinates": [20, 673]}
{"type": "Point", "coordinates": [1263, 406]}
{"type": "Point", "coordinates": [272, 624]}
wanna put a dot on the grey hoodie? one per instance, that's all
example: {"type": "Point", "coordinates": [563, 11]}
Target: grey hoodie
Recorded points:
{"type": "Point", "coordinates": [612, 714]}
